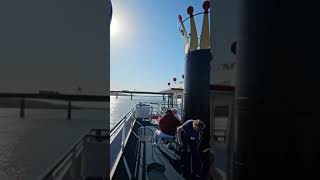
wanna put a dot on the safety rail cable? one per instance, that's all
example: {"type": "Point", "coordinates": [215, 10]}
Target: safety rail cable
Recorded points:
{"type": "Point", "coordinates": [119, 135]}
{"type": "Point", "coordinates": [118, 125]}
{"type": "Point", "coordinates": [115, 134]}
{"type": "Point", "coordinates": [59, 165]}
{"type": "Point", "coordinates": [138, 135]}
{"type": "Point", "coordinates": [114, 128]}
{"type": "Point", "coordinates": [124, 136]}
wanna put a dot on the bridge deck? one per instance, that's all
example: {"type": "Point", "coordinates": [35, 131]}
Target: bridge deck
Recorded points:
{"type": "Point", "coordinates": [67, 97]}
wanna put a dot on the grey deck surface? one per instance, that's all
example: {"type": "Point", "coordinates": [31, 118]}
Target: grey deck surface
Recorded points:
{"type": "Point", "coordinates": [143, 161]}
{"type": "Point", "coordinates": [151, 154]}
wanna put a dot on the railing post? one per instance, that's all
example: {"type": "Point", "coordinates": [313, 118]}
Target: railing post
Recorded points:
{"type": "Point", "coordinates": [75, 171]}
{"type": "Point", "coordinates": [69, 110]}
{"type": "Point", "coordinates": [172, 100]}
{"type": "Point", "coordinates": [117, 95]}
{"type": "Point", "coordinates": [22, 107]}
{"type": "Point", "coordinates": [131, 96]}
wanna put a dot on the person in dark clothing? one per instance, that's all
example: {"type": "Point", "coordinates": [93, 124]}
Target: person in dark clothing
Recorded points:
{"type": "Point", "coordinates": [189, 135]}
{"type": "Point", "coordinates": [167, 127]}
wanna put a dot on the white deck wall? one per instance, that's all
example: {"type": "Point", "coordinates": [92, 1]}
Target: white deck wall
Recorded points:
{"type": "Point", "coordinates": [220, 99]}
{"type": "Point", "coordinates": [223, 32]}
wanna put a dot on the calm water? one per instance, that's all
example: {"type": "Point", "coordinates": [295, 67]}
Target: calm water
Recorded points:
{"type": "Point", "coordinates": [28, 146]}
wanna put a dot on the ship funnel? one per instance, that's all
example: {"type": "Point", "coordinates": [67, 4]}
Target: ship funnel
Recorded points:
{"type": "Point", "coordinates": [197, 71]}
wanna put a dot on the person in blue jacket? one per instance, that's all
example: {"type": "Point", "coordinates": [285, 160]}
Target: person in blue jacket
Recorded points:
{"type": "Point", "coordinates": [189, 134]}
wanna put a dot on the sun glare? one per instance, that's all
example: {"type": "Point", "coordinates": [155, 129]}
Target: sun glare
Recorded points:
{"type": "Point", "coordinates": [114, 27]}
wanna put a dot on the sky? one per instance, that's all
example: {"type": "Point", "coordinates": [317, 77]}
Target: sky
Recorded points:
{"type": "Point", "coordinates": [60, 45]}
{"type": "Point", "coordinates": [147, 49]}
{"type": "Point", "coordinates": [53, 45]}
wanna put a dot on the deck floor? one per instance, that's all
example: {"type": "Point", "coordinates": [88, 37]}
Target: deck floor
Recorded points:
{"type": "Point", "coordinates": [144, 161]}
{"type": "Point", "coordinates": [153, 159]}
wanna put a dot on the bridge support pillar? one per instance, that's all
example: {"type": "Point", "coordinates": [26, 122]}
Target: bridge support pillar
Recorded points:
{"type": "Point", "coordinates": [22, 107]}
{"type": "Point", "coordinates": [69, 110]}
{"type": "Point", "coordinates": [116, 95]}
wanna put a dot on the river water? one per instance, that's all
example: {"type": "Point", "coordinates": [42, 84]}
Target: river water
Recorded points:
{"type": "Point", "coordinates": [30, 145]}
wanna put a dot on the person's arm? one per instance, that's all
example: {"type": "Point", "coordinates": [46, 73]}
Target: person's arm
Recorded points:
{"type": "Point", "coordinates": [180, 130]}
{"type": "Point", "coordinates": [178, 117]}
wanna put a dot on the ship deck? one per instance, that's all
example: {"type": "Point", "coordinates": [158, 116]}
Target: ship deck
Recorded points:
{"type": "Point", "coordinates": [158, 162]}
{"type": "Point", "coordinates": [142, 160]}
{"type": "Point", "coordinates": [135, 157]}
{"type": "Point", "coordinates": [154, 158]}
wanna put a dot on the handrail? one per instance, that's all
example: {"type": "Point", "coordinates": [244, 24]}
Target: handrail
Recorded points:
{"type": "Point", "coordinates": [54, 96]}
{"type": "Point", "coordinates": [142, 92]}
{"type": "Point", "coordinates": [119, 137]}
{"type": "Point", "coordinates": [53, 168]}
{"type": "Point", "coordinates": [145, 102]}
{"type": "Point", "coordinates": [116, 127]}
{"type": "Point", "coordinates": [66, 97]}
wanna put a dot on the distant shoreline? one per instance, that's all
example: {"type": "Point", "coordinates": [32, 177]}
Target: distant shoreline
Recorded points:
{"type": "Point", "coordinates": [33, 104]}
{"type": "Point", "coordinates": [118, 94]}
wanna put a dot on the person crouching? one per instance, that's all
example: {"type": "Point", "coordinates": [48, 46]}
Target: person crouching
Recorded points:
{"type": "Point", "coordinates": [189, 135]}
{"type": "Point", "coordinates": [167, 127]}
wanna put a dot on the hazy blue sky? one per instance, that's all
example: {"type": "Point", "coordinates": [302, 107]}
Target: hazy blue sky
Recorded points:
{"type": "Point", "coordinates": [54, 45]}
{"type": "Point", "coordinates": [147, 50]}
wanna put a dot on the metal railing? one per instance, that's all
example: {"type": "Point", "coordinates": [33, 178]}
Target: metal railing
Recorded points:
{"type": "Point", "coordinates": [118, 125]}
{"type": "Point", "coordinates": [62, 97]}
{"type": "Point", "coordinates": [64, 164]}
{"type": "Point", "coordinates": [119, 135]}
{"type": "Point", "coordinates": [168, 95]}
{"type": "Point", "coordinates": [128, 115]}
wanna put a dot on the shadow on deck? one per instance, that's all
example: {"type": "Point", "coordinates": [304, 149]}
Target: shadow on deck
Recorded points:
{"type": "Point", "coordinates": [143, 161]}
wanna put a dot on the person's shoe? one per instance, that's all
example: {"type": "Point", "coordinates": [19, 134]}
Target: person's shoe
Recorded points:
{"type": "Point", "coordinates": [155, 144]}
